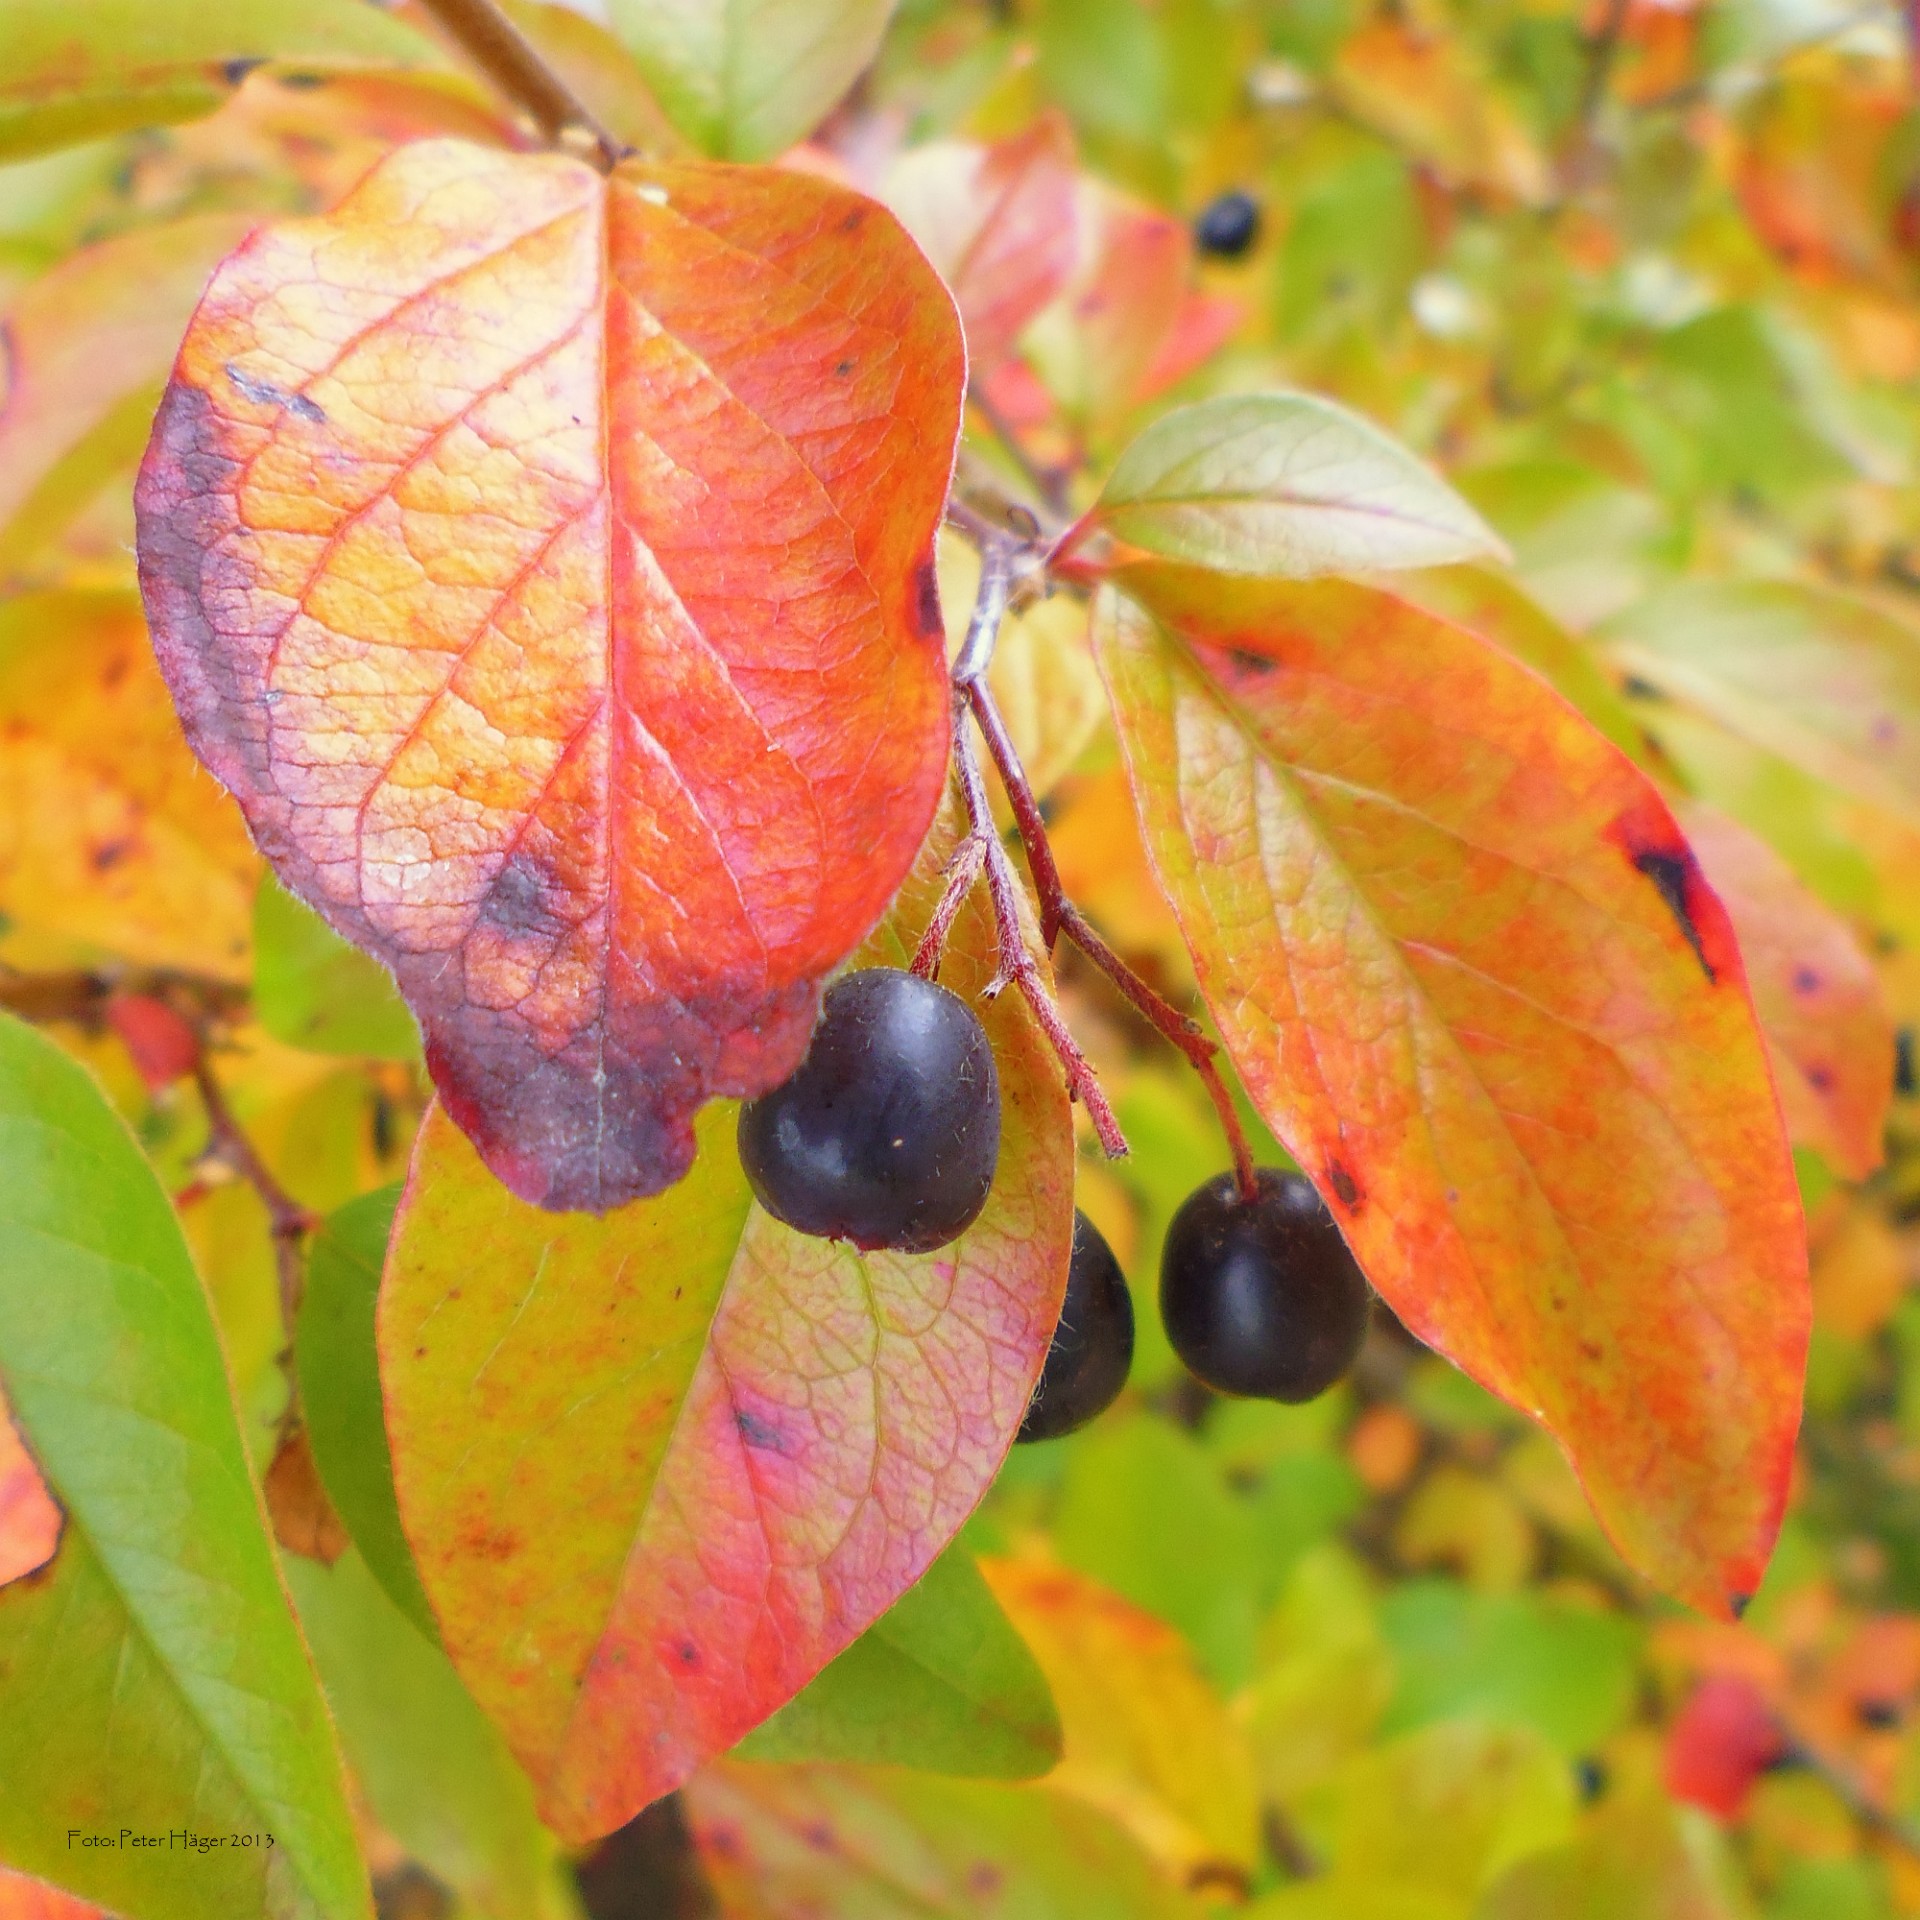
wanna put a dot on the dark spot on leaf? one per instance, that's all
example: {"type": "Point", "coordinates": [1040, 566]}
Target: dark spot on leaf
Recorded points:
{"type": "Point", "coordinates": [1877, 1713]}
{"type": "Point", "coordinates": [926, 596]}
{"type": "Point", "coordinates": [114, 671]}
{"type": "Point", "coordinates": [1590, 1776]}
{"type": "Point", "coordinates": [1345, 1188]}
{"type": "Point", "coordinates": [722, 1842]}
{"type": "Point", "coordinates": [844, 368]}
{"type": "Point", "coordinates": [1593, 1351]}
{"type": "Point", "coordinates": [108, 854]}
{"type": "Point", "coordinates": [1637, 689]}
{"type": "Point", "coordinates": [264, 393]}
{"type": "Point", "coordinates": [237, 70]}
{"type": "Point", "coordinates": [1805, 980]}
{"type": "Point", "coordinates": [1904, 1080]}
{"type": "Point", "coordinates": [820, 1836]}
{"type": "Point", "coordinates": [853, 220]}
{"type": "Point", "coordinates": [984, 1879]}
{"type": "Point", "coordinates": [1224, 1874]}
{"type": "Point", "coordinates": [1885, 731]}
{"type": "Point", "coordinates": [1675, 874]}
{"type": "Point", "coordinates": [1739, 1603]}
{"type": "Point", "coordinates": [1250, 662]}
{"type": "Point", "coordinates": [759, 1433]}
{"type": "Point", "coordinates": [687, 1654]}
{"type": "Point", "coordinates": [517, 901]}
{"type": "Point", "coordinates": [1820, 1079]}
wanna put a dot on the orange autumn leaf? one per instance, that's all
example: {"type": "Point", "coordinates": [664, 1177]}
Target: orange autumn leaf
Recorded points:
{"type": "Point", "coordinates": [30, 1518]}
{"type": "Point", "coordinates": [658, 1469]}
{"type": "Point", "coordinates": [1472, 976]}
{"type": "Point", "coordinates": [24, 1899]}
{"type": "Point", "coordinates": [1820, 1002]}
{"type": "Point", "coordinates": [544, 561]}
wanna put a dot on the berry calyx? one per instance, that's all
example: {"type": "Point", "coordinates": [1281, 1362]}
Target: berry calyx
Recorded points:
{"type": "Point", "coordinates": [1228, 226]}
{"type": "Point", "coordinates": [1092, 1348]}
{"type": "Point", "coordinates": [888, 1133]}
{"type": "Point", "coordinates": [1261, 1297]}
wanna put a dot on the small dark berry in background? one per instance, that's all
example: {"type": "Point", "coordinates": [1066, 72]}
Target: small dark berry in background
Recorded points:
{"type": "Point", "coordinates": [1261, 1297]}
{"type": "Point", "coordinates": [1227, 227]}
{"type": "Point", "coordinates": [889, 1132]}
{"type": "Point", "coordinates": [1092, 1346]}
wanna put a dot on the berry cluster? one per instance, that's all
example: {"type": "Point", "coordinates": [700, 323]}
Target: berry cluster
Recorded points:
{"type": "Point", "coordinates": [888, 1136]}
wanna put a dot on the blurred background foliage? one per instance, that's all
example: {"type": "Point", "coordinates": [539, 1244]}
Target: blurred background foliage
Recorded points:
{"type": "Point", "coordinates": [1643, 278]}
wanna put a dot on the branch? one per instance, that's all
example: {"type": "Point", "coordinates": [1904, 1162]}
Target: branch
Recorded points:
{"type": "Point", "coordinates": [289, 1221]}
{"type": "Point", "coordinates": [1603, 48]}
{"type": "Point", "coordinates": [514, 65]}
{"type": "Point", "coordinates": [1000, 557]}
{"type": "Point", "coordinates": [1048, 482]}
{"type": "Point", "coordinates": [1058, 915]}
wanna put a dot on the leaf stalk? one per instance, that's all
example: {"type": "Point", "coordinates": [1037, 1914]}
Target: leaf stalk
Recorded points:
{"type": "Point", "coordinates": [511, 61]}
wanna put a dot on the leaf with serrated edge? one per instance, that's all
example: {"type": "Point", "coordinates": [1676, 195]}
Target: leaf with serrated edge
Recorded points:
{"type": "Point", "coordinates": [1821, 1004]}
{"type": "Point", "coordinates": [544, 560]}
{"type": "Point", "coordinates": [792, 1843]}
{"type": "Point", "coordinates": [1287, 486]}
{"type": "Point", "coordinates": [151, 1675]}
{"type": "Point", "coordinates": [1470, 973]}
{"type": "Point", "coordinates": [658, 1469]}
{"type": "Point", "coordinates": [745, 79]}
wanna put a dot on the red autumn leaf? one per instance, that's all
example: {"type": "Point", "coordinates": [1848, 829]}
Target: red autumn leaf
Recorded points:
{"type": "Point", "coordinates": [1471, 974]}
{"type": "Point", "coordinates": [1820, 1002]}
{"type": "Point", "coordinates": [544, 562]}
{"type": "Point", "coordinates": [658, 1469]}
{"type": "Point", "coordinates": [999, 222]}
{"type": "Point", "coordinates": [1724, 1739]}
{"type": "Point", "coordinates": [164, 1047]}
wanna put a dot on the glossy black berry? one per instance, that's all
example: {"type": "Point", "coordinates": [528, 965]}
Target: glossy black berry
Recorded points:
{"type": "Point", "coordinates": [1228, 226]}
{"type": "Point", "coordinates": [889, 1133]}
{"type": "Point", "coordinates": [1092, 1346]}
{"type": "Point", "coordinates": [1261, 1297]}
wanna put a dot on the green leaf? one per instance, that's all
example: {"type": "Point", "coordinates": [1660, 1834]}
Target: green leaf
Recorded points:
{"type": "Point", "coordinates": [941, 1681]}
{"type": "Point", "coordinates": [1828, 682]}
{"type": "Point", "coordinates": [1284, 485]}
{"type": "Point", "coordinates": [70, 73]}
{"type": "Point", "coordinates": [312, 990]}
{"type": "Point", "coordinates": [745, 79]}
{"type": "Point", "coordinates": [1146, 1512]}
{"type": "Point", "coordinates": [794, 1843]}
{"type": "Point", "coordinates": [1567, 1671]}
{"type": "Point", "coordinates": [434, 1772]}
{"type": "Point", "coordinates": [151, 1675]}
{"type": "Point", "coordinates": [1642, 1857]}
{"type": "Point", "coordinates": [340, 1394]}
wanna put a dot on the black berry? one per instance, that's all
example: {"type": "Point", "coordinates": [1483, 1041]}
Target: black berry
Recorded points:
{"type": "Point", "coordinates": [889, 1133]}
{"type": "Point", "coordinates": [1261, 1297]}
{"type": "Point", "coordinates": [1228, 226]}
{"type": "Point", "coordinates": [1092, 1346]}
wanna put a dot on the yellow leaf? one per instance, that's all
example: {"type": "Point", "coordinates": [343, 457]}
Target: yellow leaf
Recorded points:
{"type": "Point", "coordinates": [112, 839]}
{"type": "Point", "coordinates": [1145, 1738]}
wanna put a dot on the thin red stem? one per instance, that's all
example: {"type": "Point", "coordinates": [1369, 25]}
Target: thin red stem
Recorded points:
{"type": "Point", "coordinates": [289, 1221]}
{"type": "Point", "coordinates": [1018, 967]}
{"type": "Point", "coordinates": [1059, 915]}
